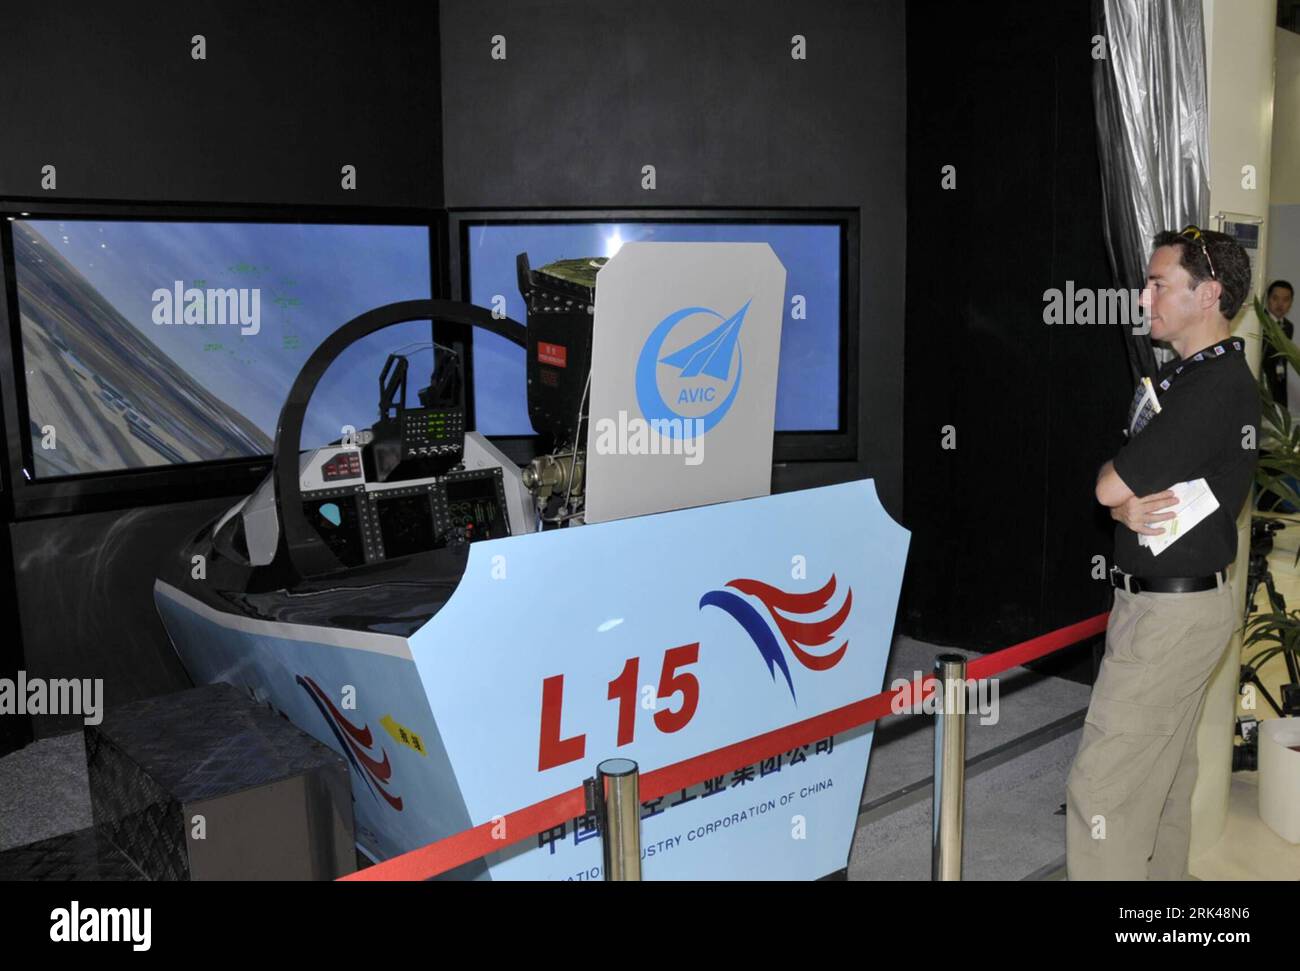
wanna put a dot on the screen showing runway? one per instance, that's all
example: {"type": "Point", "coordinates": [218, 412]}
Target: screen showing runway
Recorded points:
{"type": "Point", "coordinates": [156, 343]}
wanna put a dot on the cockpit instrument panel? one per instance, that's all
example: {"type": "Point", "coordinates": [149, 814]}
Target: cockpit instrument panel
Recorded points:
{"type": "Point", "coordinates": [366, 523]}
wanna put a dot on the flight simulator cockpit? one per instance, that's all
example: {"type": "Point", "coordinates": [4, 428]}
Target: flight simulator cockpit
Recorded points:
{"type": "Point", "coordinates": [390, 506]}
{"type": "Point", "coordinates": [380, 589]}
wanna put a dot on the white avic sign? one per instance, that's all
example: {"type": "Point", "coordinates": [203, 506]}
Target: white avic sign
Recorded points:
{"type": "Point", "coordinates": [686, 342]}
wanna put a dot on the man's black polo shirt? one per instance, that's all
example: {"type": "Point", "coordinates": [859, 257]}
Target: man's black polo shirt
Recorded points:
{"type": "Point", "coordinates": [1198, 434]}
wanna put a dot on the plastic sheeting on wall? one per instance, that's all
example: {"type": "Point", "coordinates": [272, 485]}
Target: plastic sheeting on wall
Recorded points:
{"type": "Point", "coordinates": [1152, 114]}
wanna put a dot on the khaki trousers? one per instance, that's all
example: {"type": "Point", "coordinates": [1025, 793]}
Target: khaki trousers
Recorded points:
{"type": "Point", "coordinates": [1129, 793]}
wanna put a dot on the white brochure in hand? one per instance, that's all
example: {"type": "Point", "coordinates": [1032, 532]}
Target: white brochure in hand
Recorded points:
{"type": "Point", "coordinates": [1195, 502]}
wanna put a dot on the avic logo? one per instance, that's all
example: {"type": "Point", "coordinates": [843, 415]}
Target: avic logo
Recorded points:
{"type": "Point", "coordinates": [796, 633]}
{"type": "Point", "coordinates": [695, 381]}
{"type": "Point", "coordinates": [355, 742]}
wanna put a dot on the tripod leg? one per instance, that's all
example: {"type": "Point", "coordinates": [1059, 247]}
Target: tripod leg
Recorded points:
{"type": "Point", "coordinates": [1251, 586]}
{"type": "Point", "coordinates": [1274, 597]}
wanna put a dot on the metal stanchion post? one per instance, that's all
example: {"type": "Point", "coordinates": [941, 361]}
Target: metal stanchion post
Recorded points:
{"type": "Point", "coordinates": [949, 767]}
{"type": "Point", "coordinates": [616, 792]}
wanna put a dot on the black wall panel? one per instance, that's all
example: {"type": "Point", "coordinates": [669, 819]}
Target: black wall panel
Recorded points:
{"type": "Point", "coordinates": [15, 732]}
{"type": "Point", "coordinates": [289, 92]}
{"type": "Point", "coordinates": [1004, 525]}
{"type": "Point", "coordinates": [85, 585]}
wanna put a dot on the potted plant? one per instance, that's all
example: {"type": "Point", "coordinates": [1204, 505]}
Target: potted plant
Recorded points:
{"type": "Point", "coordinates": [1276, 632]}
{"type": "Point", "coordinates": [1279, 461]}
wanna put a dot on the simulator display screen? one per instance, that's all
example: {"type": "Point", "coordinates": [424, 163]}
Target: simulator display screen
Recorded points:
{"type": "Point", "coordinates": [157, 343]}
{"type": "Point", "coordinates": [808, 385]}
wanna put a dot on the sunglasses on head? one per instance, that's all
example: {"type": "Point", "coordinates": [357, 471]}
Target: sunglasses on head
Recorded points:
{"type": "Point", "coordinates": [1196, 236]}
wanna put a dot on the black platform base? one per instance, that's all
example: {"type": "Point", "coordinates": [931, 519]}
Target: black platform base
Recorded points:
{"type": "Point", "coordinates": [72, 856]}
{"type": "Point", "coordinates": [206, 785]}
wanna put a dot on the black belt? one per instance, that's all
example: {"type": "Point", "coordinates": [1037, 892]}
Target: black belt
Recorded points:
{"type": "Point", "coordinates": [1126, 581]}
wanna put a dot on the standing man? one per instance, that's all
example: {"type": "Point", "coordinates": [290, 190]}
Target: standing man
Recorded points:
{"type": "Point", "coordinates": [1278, 302]}
{"type": "Point", "coordinates": [1283, 382]}
{"type": "Point", "coordinates": [1130, 787]}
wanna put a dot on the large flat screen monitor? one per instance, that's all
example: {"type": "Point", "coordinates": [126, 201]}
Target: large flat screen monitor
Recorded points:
{"type": "Point", "coordinates": [813, 387]}
{"type": "Point", "coordinates": [146, 343]}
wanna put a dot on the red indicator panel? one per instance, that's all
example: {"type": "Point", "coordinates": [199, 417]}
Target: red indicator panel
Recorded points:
{"type": "Point", "coordinates": [556, 355]}
{"type": "Point", "coordinates": [344, 465]}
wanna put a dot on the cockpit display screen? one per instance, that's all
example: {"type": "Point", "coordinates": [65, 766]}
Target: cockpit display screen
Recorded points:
{"type": "Point", "coordinates": [406, 524]}
{"type": "Point", "coordinates": [335, 520]}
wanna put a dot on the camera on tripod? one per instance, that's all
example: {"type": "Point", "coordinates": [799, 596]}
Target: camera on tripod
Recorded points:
{"type": "Point", "coordinates": [1261, 536]}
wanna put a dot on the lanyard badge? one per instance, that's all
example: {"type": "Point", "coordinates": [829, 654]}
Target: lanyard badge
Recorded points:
{"type": "Point", "coordinates": [1146, 404]}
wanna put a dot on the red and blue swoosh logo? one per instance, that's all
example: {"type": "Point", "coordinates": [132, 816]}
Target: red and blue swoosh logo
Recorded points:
{"type": "Point", "coordinates": [788, 613]}
{"type": "Point", "coordinates": [354, 742]}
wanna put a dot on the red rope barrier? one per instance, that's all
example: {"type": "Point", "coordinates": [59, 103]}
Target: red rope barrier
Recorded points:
{"type": "Point", "coordinates": [495, 835]}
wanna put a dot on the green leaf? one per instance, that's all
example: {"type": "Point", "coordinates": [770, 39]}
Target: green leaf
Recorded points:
{"type": "Point", "coordinates": [1279, 438]}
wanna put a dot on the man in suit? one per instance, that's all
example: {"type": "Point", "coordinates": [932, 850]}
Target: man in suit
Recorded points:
{"type": "Point", "coordinates": [1278, 302]}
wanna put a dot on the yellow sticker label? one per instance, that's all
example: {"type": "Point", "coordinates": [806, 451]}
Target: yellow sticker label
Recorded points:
{"type": "Point", "coordinates": [403, 734]}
